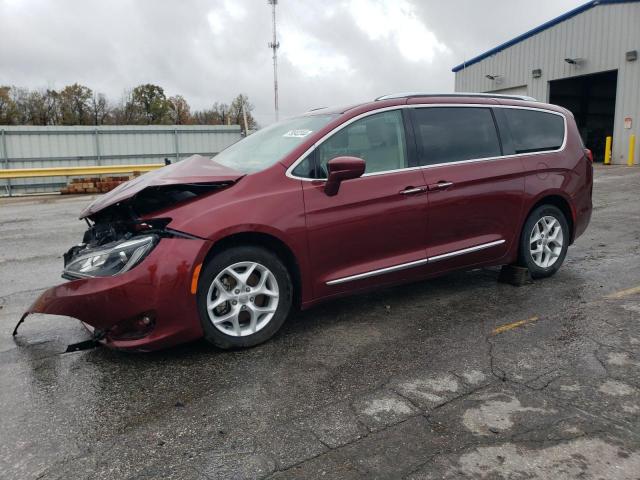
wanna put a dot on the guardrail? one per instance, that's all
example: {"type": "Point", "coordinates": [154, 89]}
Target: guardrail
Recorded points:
{"type": "Point", "coordinates": [8, 174]}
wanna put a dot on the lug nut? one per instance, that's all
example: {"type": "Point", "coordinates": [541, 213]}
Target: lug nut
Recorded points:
{"type": "Point", "coordinates": [248, 289]}
{"type": "Point", "coordinates": [237, 291]}
{"type": "Point", "coordinates": [234, 302]}
{"type": "Point", "coordinates": [251, 299]}
{"type": "Point", "coordinates": [243, 307]}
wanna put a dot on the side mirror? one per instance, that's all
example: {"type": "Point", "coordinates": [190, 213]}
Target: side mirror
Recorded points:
{"type": "Point", "coordinates": [341, 169]}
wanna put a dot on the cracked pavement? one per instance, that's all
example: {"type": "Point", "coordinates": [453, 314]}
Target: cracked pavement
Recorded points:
{"type": "Point", "coordinates": [456, 377]}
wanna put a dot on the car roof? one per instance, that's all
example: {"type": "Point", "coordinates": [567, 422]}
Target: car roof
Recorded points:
{"type": "Point", "coordinates": [413, 98]}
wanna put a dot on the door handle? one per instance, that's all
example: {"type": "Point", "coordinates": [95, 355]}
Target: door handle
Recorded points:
{"type": "Point", "coordinates": [439, 186]}
{"type": "Point", "coordinates": [413, 190]}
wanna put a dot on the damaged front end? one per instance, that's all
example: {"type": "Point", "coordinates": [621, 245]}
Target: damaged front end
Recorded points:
{"type": "Point", "coordinates": [131, 278]}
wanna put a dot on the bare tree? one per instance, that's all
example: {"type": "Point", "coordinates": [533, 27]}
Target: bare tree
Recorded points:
{"type": "Point", "coordinates": [236, 112]}
{"type": "Point", "coordinates": [99, 108]}
{"type": "Point", "coordinates": [124, 113]}
{"type": "Point", "coordinates": [179, 110]}
{"type": "Point", "coordinates": [39, 107]}
{"type": "Point", "coordinates": [20, 98]}
{"type": "Point", "coordinates": [8, 109]}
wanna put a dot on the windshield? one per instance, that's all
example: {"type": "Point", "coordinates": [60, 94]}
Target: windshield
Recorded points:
{"type": "Point", "coordinates": [269, 145]}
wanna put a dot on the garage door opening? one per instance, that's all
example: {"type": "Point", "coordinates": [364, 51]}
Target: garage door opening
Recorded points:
{"type": "Point", "coordinates": [592, 100]}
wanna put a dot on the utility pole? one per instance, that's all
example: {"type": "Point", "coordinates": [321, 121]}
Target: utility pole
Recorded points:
{"type": "Point", "coordinates": [274, 45]}
{"type": "Point", "coordinates": [244, 118]}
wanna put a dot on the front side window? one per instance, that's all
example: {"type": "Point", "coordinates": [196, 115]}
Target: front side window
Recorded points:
{"type": "Point", "coordinates": [535, 131]}
{"type": "Point", "coordinates": [271, 144]}
{"type": "Point", "coordinates": [452, 134]}
{"type": "Point", "coordinates": [378, 139]}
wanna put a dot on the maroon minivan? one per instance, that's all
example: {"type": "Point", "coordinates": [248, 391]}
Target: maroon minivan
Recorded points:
{"type": "Point", "coordinates": [333, 202]}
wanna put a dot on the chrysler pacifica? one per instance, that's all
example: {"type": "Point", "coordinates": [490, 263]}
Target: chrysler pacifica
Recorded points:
{"type": "Point", "coordinates": [329, 203]}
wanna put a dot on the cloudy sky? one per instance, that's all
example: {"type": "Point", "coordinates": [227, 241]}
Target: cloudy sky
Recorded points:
{"type": "Point", "coordinates": [332, 51]}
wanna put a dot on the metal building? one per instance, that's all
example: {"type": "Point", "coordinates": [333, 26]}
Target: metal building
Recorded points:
{"type": "Point", "coordinates": [585, 60]}
{"type": "Point", "coordinates": [84, 146]}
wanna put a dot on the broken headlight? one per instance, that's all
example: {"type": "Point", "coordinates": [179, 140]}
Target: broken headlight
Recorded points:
{"type": "Point", "coordinates": [110, 259]}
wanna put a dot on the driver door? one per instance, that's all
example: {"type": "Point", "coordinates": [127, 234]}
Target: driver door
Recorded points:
{"type": "Point", "coordinates": [373, 231]}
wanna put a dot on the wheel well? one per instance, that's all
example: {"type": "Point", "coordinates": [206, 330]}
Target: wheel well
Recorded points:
{"type": "Point", "coordinates": [271, 243]}
{"type": "Point", "coordinates": [562, 204]}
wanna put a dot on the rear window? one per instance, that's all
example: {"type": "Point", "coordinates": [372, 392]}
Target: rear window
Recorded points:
{"type": "Point", "coordinates": [535, 131]}
{"type": "Point", "coordinates": [452, 134]}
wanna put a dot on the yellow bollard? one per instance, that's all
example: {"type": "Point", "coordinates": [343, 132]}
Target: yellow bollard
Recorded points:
{"type": "Point", "coordinates": [607, 151]}
{"type": "Point", "coordinates": [632, 150]}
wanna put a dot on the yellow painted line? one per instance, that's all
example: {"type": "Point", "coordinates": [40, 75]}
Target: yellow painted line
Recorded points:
{"type": "Point", "coordinates": [510, 326]}
{"type": "Point", "coordinates": [73, 171]}
{"type": "Point", "coordinates": [624, 293]}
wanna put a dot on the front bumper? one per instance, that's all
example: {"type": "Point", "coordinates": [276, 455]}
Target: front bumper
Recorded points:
{"type": "Point", "coordinates": [159, 287]}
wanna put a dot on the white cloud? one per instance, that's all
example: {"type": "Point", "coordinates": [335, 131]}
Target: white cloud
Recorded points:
{"type": "Point", "coordinates": [310, 55]}
{"type": "Point", "coordinates": [220, 18]}
{"type": "Point", "coordinates": [216, 22]}
{"type": "Point", "coordinates": [397, 20]}
{"type": "Point", "coordinates": [235, 9]}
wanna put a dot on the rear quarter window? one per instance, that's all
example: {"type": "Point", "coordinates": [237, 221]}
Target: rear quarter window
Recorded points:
{"type": "Point", "coordinates": [535, 131]}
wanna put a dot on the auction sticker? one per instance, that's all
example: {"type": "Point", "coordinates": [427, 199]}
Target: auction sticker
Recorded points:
{"type": "Point", "coordinates": [297, 133]}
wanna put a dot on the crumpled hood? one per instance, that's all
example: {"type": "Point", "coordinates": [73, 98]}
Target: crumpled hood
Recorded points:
{"type": "Point", "coordinates": [193, 170]}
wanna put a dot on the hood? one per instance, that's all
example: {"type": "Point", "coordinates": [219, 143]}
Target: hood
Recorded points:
{"type": "Point", "coordinates": [193, 170]}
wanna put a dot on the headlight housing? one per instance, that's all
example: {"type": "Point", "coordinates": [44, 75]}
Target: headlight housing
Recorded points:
{"type": "Point", "coordinates": [110, 259]}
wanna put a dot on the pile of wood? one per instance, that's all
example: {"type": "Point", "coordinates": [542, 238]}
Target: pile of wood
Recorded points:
{"type": "Point", "coordinates": [94, 184]}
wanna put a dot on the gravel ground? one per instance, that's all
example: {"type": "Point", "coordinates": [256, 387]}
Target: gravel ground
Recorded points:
{"type": "Point", "coordinates": [458, 377]}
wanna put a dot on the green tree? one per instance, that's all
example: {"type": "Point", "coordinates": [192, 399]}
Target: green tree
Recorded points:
{"type": "Point", "coordinates": [150, 104]}
{"type": "Point", "coordinates": [75, 105]}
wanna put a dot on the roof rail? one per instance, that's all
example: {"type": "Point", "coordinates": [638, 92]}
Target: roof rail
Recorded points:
{"type": "Point", "coordinates": [457, 94]}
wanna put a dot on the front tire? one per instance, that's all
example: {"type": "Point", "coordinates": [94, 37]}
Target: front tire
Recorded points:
{"type": "Point", "coordinates": [244, 297]}
{"type": "Point", "coordinates": [544, 241]}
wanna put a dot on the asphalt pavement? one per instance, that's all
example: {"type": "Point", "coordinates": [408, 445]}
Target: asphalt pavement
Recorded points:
{"type": "Point", "coordinates": [457, 377]}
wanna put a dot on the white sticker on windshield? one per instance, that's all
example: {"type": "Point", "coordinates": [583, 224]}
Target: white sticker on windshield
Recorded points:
{"type": "Point", "coordinates": [297, 133]}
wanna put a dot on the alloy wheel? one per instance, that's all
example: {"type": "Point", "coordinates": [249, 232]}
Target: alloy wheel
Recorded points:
{"type": "Point", "coordinates": [242, 299]}
{"type": "Point", "coordinates": [546, 241]}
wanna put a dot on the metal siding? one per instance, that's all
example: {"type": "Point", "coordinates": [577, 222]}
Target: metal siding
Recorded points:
{"type": "Point", "coordinates": [601, 35]}
{"type": "Point", "coordinates": [37, 146]}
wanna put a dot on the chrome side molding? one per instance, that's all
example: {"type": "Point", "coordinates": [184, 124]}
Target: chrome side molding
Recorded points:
{"type": "Point", "coordinates": [381, 271]}
{"type": "Point", "coordinates": [415, 263]}
{"type": "Point", "coordinates": [464, 251]}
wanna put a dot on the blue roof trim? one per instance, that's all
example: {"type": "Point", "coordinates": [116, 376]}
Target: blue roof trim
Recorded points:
{"type": "Point", "coordinates": [544, 26]}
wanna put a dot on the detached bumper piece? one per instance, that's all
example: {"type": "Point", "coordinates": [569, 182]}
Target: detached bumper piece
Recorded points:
{"type": "Point", "coordinates": [146, 308]}
{"type": "Point", "coordinates": [87, 344]}
{"type": "Point", "coordinates": [93, 342]}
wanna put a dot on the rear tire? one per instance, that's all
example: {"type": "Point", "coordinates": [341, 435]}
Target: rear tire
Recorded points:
{"type": "Point", "coordinates": [544, 241]}
{"type": "Point", "coordinates": [244, 297]}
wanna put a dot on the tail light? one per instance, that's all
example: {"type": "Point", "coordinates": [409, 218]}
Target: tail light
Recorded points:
{"type": "Point", "coordinates": [589, 154]}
